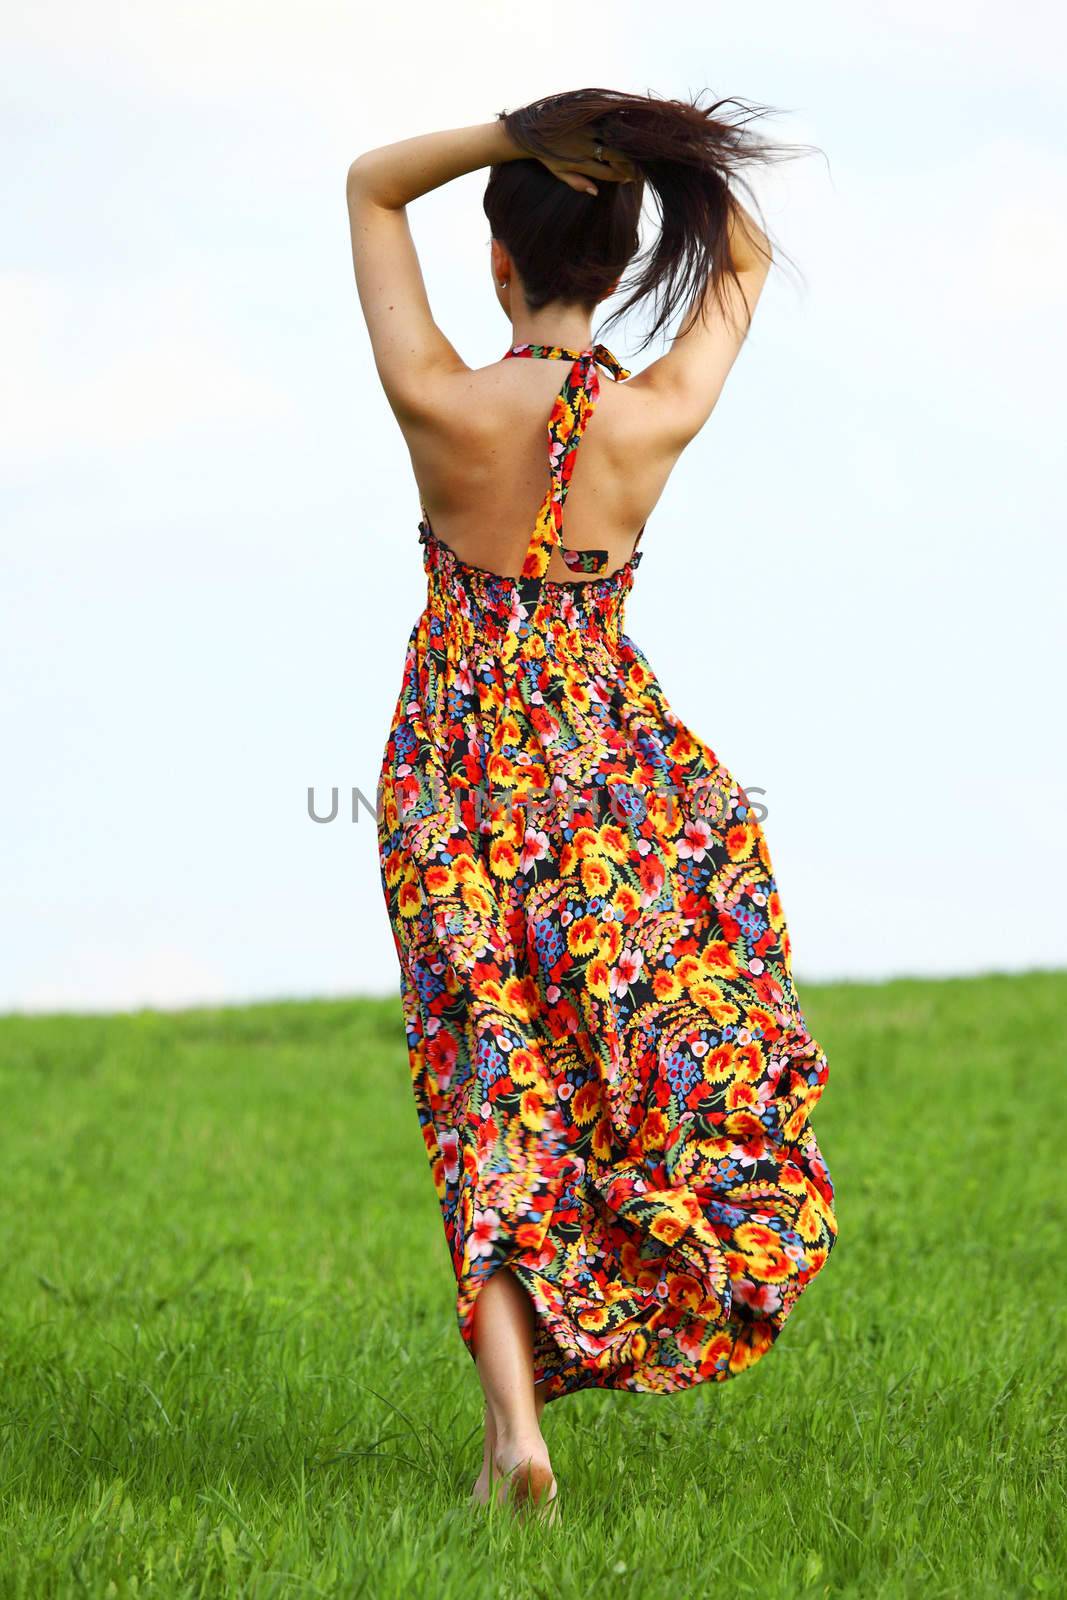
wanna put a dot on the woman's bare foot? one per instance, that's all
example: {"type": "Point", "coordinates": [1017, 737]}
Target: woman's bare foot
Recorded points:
{"type": "Point", "coordinates": [503, 1335]}
{"type": "Point", "coordinates": [490, 1476]}
{"type": "Point", "coordinates": [521, 1475]}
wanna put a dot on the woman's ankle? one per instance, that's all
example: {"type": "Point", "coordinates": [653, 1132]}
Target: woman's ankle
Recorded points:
{"type": "Point", "coordinates": [518, 1443]}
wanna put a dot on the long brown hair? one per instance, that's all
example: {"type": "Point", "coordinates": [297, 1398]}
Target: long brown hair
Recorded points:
{"type": "Point", "coordinates": [573, 247]}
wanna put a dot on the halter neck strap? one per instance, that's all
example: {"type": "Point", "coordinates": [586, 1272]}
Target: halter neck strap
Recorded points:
{"type": "Point", "coordinates": [567, 423]}
{"type": "Point", "coordinates": [558, 352]}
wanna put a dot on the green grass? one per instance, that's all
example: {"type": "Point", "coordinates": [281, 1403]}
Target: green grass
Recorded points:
{"type": "Point", "coordinates": [230, 1364]}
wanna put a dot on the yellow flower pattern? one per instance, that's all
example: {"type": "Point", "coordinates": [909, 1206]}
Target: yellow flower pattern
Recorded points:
{"type": "Point", "coordinates": [611, 1069]}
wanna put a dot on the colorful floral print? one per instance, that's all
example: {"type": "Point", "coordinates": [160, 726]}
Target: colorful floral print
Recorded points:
{"type": "Point", "coordinates": [612, 1073]}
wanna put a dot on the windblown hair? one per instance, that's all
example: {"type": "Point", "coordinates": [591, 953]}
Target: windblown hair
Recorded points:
{"type": "Point", "coordinates": [573, 247]}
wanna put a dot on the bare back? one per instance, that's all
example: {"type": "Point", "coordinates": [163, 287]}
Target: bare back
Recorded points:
{"type": "Point", "coordinates": [480, 462]}
{"type": "Point", "coordinates": [476, 436]}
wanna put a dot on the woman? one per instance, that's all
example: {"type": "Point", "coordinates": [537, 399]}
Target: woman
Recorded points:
{"type": "Point", "coordinates": [612, 1071]}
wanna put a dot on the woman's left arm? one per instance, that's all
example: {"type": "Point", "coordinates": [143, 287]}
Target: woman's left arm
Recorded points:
{"type": "Point", "coordinates": [410, 350]}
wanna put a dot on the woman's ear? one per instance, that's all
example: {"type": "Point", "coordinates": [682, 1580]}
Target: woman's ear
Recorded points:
{"type": "Point", "coordinates": [501, 263]}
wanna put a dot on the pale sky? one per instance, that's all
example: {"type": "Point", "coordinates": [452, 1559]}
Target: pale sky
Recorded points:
{"type": "Point", "coordinates": [852, 588]}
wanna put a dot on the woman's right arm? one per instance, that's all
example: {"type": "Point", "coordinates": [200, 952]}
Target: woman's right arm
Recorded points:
{"type": "Point", "coordinates": [687, 381]}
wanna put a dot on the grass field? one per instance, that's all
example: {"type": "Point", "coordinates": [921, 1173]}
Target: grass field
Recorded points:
{"type": "Point", "coordinates": [231, 1365]}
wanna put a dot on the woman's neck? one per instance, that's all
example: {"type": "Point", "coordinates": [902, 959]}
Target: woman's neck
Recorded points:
{"type": "Point", "coordinates": [555, 324]}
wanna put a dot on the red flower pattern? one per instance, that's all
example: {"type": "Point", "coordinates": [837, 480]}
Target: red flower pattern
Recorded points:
{"type": "Point", "coordinates": [611, 1068]}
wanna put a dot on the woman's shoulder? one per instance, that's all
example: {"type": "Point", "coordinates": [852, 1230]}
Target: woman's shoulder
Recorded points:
{"type": "Point", "coordinates": [481, 409]}
{"type": "Point", "coordinates": [520, 387]}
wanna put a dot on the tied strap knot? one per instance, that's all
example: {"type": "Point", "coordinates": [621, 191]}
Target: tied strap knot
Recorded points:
{"type": "Point", "coordinates": [558, 352]}
{"type": "Point", "coordinates": [603, 356]}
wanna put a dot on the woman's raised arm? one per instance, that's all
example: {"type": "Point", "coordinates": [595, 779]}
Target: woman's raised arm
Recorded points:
{"type": "Point", "coordinates": [689, 378]}
{"type": "Point", "coordinates": [409, 348]}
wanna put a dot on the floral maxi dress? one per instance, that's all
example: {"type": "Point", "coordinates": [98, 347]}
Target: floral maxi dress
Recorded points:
{"type": "Point", "coordinates": [612, 1072]}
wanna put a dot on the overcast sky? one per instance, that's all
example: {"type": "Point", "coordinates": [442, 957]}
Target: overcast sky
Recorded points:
{"type": "Point", "coordinates": [852, 588]}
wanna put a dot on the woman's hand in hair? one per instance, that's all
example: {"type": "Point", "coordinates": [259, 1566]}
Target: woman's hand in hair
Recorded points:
{"type": "Point", "coordinates": [576, 163]}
